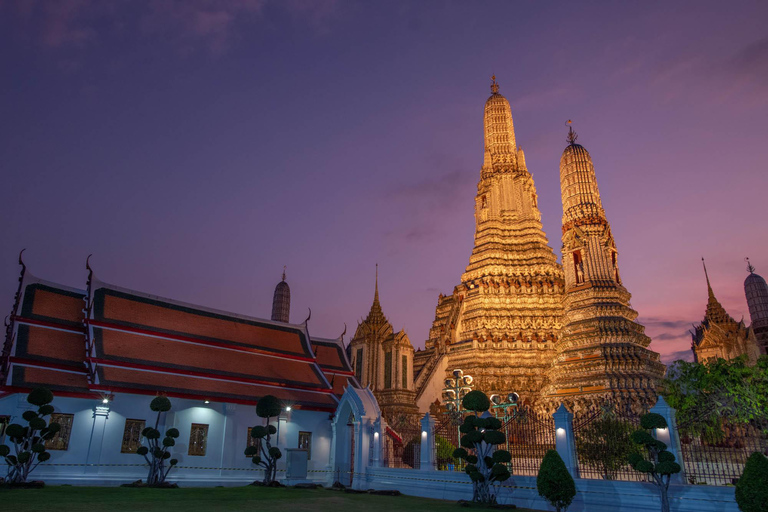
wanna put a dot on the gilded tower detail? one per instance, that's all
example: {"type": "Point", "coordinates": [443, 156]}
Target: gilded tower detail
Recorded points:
{"type": "Point", "coordinates": [501, 323]}
{"type": "Point", "coordinates": [602, 352]}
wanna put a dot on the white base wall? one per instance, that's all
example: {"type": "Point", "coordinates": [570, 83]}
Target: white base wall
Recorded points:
{"type": "Point", "coordinates": [591, 496]}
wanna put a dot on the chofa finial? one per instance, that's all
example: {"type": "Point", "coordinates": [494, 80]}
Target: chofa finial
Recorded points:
{"type": "Point", "coordinates": [571, 134]}
{"type": "Point", "coordinates": [750, 267]}
{"type": "Point", "coordinates": [284, 267]}
{"type": "Point", "coordinates": [494, 85]}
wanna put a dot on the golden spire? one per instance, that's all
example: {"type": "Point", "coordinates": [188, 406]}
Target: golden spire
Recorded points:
{"type": "Point", "coordinates": [376, 286]}
{"type": "Point", "coordinates": [750, 267]}
{"type": "Point", "coordinates": [494, 85]}
{"type": "Point", "coordinates": [709, 287]}
{"type": "Point", "coordinates": [284, 267]}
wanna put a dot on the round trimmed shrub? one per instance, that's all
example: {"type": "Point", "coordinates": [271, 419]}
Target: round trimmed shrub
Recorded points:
{"type": "Point", "coordinates": [4, 450]}
{"type": "Point", "coordinates": [268, 406]}
{"type": "Point", "coordinates": [14, 430]}
{"type": "Point", "coordinates": [173, 462]}
{"type": "Point", "coordinates": [271, 429]}
{"type": "Point", "coordinates": [460, 453]}
{"type": "Point", "coordinates": [42, 457]}
{"type": "Point", "coordinates": [493, 423]}
{"type": "Point", "coordinates": [751, 489]}
{"type": "Point", "coordinates": [172, 432]}
{"type": "Point", "coordinates": [652, 420]}
{"type": "Point", "coordinates": [46, 410]}
{"type": "Point", "coordinates": [54, 427]}
{"type": "Point", "coordinates": [494, 437]}
{"type": "Point", "coordinates": [256, 459]}
{"type": "Point", "coordinates": [250, 451]}
{"type": "Point", "coordinates": [153, 433]}
{"type": "Point", "coordinates": [160, 404]}
{"type": "Point", "coordinates": [474, 436]}
{"type": "Point", "coordinates": [275, 452]}
{"type": "Point", "coordinates": [29, 415]}
{"type": "Point", "coordinates": [24, 457]}
{"type": "Point", "coordinates": [38, 447]}
{"type": "Point", "coordinates": [40, 396]}
{"type": "Point", "coordinates": [476, 401]}
{"type": "Point", "coordinates": [37, 423]}
{"type": "Point", "coordinates": [142, 450]}
{"type": "Point", "coordinates": [502, 456]}
{"type": "Point", "coordinates": [169, 441]}
{"type": "Point", "coordinates": [472, 459]}
{"type": "Point", "coordinates": [259, 431]}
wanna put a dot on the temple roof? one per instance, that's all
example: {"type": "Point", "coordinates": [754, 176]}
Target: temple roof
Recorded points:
{"type": "Point", "coordinates": [133, 342]}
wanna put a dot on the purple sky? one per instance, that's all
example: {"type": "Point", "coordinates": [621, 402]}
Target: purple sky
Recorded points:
{"type": "Point", "coordinates": [195, 147]}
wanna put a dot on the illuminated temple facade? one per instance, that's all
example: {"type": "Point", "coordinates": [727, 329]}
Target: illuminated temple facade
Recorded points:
{"type": "Point", "coordinates": [518, 321]}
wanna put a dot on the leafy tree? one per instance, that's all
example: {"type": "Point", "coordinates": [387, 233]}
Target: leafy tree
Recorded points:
{"type": "Point", "coordinates": [554, 482]}
{"type": "Point", "coordinates": [156, 452]}
{"type": "Point", "coordinates": [703, 394]}
{"type": "Point", "coordinates": [444, 449]}
{"type": "Point", "coordinates": [606, 444]}
{"type": "Point", "coordinates": [751, 489]}
{"type": "Point", "coordinates": [485, 464]}
{"type": "Point", "coordinates": [660, 465]}
{"type": "Point", "coordinates": [264, 454]}
{"type": "Point", "coordinates": [29, 442]}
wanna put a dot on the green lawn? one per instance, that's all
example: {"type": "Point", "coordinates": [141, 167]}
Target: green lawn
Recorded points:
{"type": "Point", "coordinates": [111, 499]}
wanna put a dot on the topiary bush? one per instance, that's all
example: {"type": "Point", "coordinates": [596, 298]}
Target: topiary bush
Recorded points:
{"type": "Point", "coordinates": [554, 482]}
{"type": "Point", "coordinates": [752, 487]}
{"type": "Point", "coordinates": [485, 465]}
{"type": "Point", "coordinates": [660, 464]}
{"type": "Point", "coordinates": [155, 451]}
{"type": "Point", "coordinates": [264, 454]}
{"type": "Point", "coordinates": [29, 442]}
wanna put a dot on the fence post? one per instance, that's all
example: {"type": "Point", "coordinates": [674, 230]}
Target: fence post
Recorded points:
{"type": "Point", "coordinates": [670, 436]}
{"type": "Point", "coordinates": [427, 462]}
{"type": "Point", "coordinates": [565, 440]}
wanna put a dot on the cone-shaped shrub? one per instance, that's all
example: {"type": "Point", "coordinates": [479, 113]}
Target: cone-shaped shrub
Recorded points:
{"type": "Point", "coordinates": [752, 487]}
{"type": "Point", "coordinates": [554, 482]}
{"type": "Point", "coordinates": [264, 454]}
{"type": "Point", "coordinates": [156, 452]}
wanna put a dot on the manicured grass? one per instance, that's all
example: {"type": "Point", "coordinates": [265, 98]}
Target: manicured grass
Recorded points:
{"type": "Point", "coordinates": [112, 499]}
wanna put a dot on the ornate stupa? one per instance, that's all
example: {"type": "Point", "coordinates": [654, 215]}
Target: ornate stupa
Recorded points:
{"type": "Point", "coordinates": [281, 301]}
{"type": "Point", "coordinates": [383, 360]}
{"type": "Point", "coordinates": [501, 322]}
{"type": "Point", "coordinates": [602, 352]}
{"type": "Point", "coordinates": [756, 290]}
{"type": "Point", "coordinates": [719, 335]}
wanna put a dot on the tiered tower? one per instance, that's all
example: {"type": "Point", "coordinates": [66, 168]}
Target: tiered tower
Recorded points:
{"type": "Point", "coordinates": [756, 291]}
{"type": "Point", "coordinates": [602, 352]}
{"type": "Point", "coordinates": [383, 360]}
{"type": "Point", "coordinates": [719, 336]}
{"type": "Point", "coordinates": [281, 301]}
{"type": "Point", "coordinates": [501, 323]}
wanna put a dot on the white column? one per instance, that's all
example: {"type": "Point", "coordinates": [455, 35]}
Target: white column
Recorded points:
{"type": "Point", "coordinates": [379, 431]}
{"type": "Point", "coordinates": [565, 441]}
{"type": "Point", "coordinates": [669, 436]}
{"type": "Point", "coordinates": [427, 462]}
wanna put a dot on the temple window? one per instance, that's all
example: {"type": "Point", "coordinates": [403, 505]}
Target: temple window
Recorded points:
{"type": "Point", "coordinates": [578, 267]}
{"type": "Point", "coordinates": [198, 439]}
{"type": "Point", "coordinates": [359, 365]}
{"type": "Point", "coordinates": [132, 436]}
{"type": "Point", "coordinates": [61, 440]}
{"type": "Point", "coordinates": [484, 202]}
{"type": "Point", "coordinates": [405, 372]}
{"type": "Point", "coordinates": [388, 369]}
{"type": "Point", "coordinates": [305, 443]}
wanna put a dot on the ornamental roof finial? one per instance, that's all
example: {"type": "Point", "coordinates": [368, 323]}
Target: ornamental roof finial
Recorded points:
{"type": "Point", "coordinates": [284, 267]}
{"type": "Point", "coordinates": [572, 134]}
{"type": "Point", "coordinates": [376, 288]}
{"type": "Point", "coordinates": [750, 268]}
{"type": "Point", "coordinates": [494, 85]}
{"type": "Point", "coordinates": [709, 287]}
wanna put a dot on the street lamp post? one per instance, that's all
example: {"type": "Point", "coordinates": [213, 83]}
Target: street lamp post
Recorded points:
{"type": "Point", "coordinates": [455, 390]}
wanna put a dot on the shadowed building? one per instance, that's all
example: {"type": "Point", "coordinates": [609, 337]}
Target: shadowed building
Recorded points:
{"type": "Point", "coordinates": [756, 290]}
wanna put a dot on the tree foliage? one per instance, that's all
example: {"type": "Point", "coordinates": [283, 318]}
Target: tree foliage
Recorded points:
{"type": "Point", "coordinates": [752, 488]}
{"type": "Point", "coordinates": [660, 464]}
{"type": "Point", "coordinates": [485, 464]}
{"type": "Point", "coordinates": [554, 482]}
{"type": "Point", "coordinates": [263, 453]}
{"type": "Point", "coordinates": [28, 443]}
{"type": "Point", "coordinates": [156, 451]}
{"type": "Point", "coordinates": [605, 443]}
{"type": "Point", "coordinates": [705, 393]}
